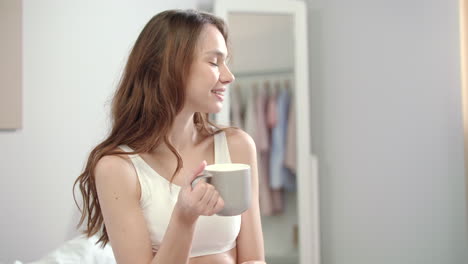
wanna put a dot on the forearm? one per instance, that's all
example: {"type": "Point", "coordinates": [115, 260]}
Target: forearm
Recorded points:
{"type": "Point", "coordinates": [177, 241]}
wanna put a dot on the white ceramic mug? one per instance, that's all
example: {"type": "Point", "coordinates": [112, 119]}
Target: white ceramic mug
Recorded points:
{"type": "Point", "coordinates": [233, 182]}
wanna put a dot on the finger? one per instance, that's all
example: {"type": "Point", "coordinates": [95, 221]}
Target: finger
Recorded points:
{"type": "Point", "coordinates": [214, 199]}
{"type": "Point", "coordinates": [199, 190]}
{"type": "Point", "coordinates": [190, 177]}
{"type": "Point", "coordinates": [210, 204]}
{"type": "Point", "coordinates": [219, 205]}
{"type": "Point", "coordinates": [210, 191]}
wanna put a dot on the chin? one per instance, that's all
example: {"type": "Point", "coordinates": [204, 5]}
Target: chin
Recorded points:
{"type": "Point", "coordinates": [215, 109]}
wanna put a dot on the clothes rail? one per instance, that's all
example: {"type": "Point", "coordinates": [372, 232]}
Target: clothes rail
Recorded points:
{"type": "Point", "coordinates": [263, 73]}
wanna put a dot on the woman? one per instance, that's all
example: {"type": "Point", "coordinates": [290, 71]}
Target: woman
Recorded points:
{"type": "Point", "coordinates": [136, 184]}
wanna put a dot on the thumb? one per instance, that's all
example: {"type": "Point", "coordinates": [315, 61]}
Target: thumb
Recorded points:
{"type": "Point", "coordinates": [195, 173]}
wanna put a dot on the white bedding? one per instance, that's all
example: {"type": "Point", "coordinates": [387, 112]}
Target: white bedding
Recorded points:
{"type": "Point", "coordinates": [80, 250]}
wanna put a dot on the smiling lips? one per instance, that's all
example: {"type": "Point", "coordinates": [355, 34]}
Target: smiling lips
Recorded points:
{"type": "Point", "coordinates": [219, 93]}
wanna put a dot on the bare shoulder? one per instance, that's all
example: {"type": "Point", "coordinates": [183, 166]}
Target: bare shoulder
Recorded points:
{"type": "Point", "coordinates": [116, 171]}
{"type": "Point", "coordinates": [119, 200]}
{"type": "Point", "coordinates": [110, 164]}
{"type": "Point", "coordinates": [237, 136]}
{"type": "Point", "coordinates": [241, 145]}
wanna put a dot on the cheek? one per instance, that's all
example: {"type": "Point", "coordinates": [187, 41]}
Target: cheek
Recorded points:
{"type": "Point", "coordinates": [213, 75]}
{"type": "Point", "coordinates": [205, 76]}
{"type": "Point", "coordinates": [202, 76]}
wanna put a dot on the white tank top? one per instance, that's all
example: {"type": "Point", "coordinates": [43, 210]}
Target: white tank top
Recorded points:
{"type": "Point", "coordinates": [213, 234]}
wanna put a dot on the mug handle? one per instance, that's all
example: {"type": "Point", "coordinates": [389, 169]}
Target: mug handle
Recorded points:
{"type": "Point", "coordinates": [202, 176]}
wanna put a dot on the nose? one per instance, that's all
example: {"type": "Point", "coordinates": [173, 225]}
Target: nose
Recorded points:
{"type": "Point", "coordinates": [226, 75]}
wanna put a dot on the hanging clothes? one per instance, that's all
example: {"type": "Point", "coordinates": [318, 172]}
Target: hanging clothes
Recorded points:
{"type": "Point", "coordinates": [262, 137]}
{"type": "Point", "coordinates": [263, 112]}
{"type": "Point", "coordinates": [278, 142]}
{"type": "Point", "coordinates": [290, 155]}
{"type": "Point", "coordinates": [249, 118]}
{"type": "Point", "coordinates": [276, 196]}
{"type": "Point", "coordinates": [272, 116]}
{"type": "Point", "coordinates": [262, 140]}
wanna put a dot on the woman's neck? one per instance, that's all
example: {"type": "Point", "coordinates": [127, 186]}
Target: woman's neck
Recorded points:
{"type": "Point", "coordinates": [183, 134]}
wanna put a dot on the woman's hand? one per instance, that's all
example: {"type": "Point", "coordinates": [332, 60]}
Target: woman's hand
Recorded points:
{"type": "Point", "coordinates": [203, 199]}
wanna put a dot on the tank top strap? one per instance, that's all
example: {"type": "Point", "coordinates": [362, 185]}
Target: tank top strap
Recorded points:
{"type": "Point", "coordinates": [221, 148]}
{"type": "Point", "coordinates": [142, 174]}
{"type": "Point", "coordinates": [125, 148]}
{"type": "Point", "coordinates": [135, 158]}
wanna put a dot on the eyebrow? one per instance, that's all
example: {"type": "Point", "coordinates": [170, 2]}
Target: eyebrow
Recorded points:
{"type": "Point", "coordinates": [217, 53]}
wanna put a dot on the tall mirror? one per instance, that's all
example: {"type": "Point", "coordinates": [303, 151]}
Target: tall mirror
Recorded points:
{"type": "Point", "coordinates": [270, 100]}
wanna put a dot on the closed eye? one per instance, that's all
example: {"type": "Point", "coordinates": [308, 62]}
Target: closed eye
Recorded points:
{"type": "Point", "coordinates": [214, 64]}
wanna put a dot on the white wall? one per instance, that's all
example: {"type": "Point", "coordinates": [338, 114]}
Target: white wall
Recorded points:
{"type": "Point", "coordinates": [387, 126]}
{"type": "Point", "coordinates": [73, 54]}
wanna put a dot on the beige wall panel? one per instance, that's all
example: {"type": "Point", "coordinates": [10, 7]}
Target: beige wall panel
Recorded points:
{"type": "Point", "coordinates": [10, 64]}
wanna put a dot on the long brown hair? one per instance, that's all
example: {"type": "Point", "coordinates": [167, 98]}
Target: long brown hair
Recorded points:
{"type": "Point", "coordinates": [150, 94]}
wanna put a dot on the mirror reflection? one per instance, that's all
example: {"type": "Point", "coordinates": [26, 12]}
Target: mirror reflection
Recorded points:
{"type": "Point", "coordinates": [262, 103]}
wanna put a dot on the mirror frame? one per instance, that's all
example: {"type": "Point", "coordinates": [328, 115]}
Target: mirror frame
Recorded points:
{"type": "Point", "coordinates": [307, 170]}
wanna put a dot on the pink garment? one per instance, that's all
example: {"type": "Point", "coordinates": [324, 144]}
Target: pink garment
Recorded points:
{"type": "Point", "coordinates": [263, 146]}
{"type": "Point", "coordinates": [265, 197]}
{"type": "Point", "coordinates": [261, 137]}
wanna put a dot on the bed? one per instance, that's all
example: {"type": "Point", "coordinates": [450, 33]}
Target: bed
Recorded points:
{"type": "Point", "coordinates": [80, 250]}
